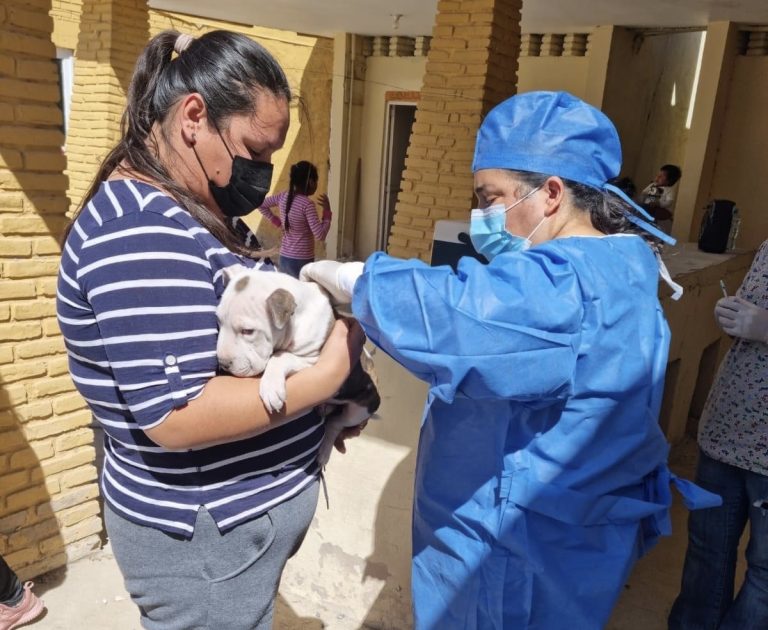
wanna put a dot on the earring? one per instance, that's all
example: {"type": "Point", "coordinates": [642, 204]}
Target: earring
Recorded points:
{"type": "Point", "coordinates": [194, 138]}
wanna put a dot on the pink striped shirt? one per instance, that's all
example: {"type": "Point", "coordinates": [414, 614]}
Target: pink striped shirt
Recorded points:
{"type": "Point", "coordinates": [305, 226]}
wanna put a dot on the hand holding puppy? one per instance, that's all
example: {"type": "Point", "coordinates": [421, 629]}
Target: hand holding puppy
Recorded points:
{"type": "Point", "coordinates": [347, 433]}
{"type": "Point", "coordinates": [346, 422]}
{"type": "Point", "coordinates": [342, 349]}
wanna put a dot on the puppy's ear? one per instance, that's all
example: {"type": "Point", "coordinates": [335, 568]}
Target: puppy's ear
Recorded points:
{"type": "Point", "coordinates": [280, 306]}
{"type": "Point", "coordinates": [231, 272]}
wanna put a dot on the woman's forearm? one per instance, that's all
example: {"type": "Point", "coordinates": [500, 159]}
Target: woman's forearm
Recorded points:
{"type": "Point", "coordinates": [229, 409]}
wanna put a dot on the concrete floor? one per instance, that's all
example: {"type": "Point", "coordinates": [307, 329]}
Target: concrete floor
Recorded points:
{"type": "Point", "coordinates": [89, 594]}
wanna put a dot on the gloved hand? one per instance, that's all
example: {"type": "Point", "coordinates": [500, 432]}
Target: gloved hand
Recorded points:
{"type": "Point", "coordinates": [743, 319]}
{"type": "Point", "coordinates": [335, 277]}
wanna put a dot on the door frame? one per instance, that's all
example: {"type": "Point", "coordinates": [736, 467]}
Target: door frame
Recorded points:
{"type": "Point", "coordinates": [391, 100]}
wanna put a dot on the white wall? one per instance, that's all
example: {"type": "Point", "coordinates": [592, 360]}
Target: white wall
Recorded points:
{"type": "Point", "coordinates": [740, 170]}
{"type": "Point", "coordinates": [383, 74]}
{"type": "Point", "coordinates": [553, 73]}
{"type": "Point", "coordinates": [643, 73]}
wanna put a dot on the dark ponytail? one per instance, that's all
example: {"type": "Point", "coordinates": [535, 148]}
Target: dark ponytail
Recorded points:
{"type": "Point", "coordinates": [301, 174]}
{"type": "Point", "coordinates": [226, 69]}
{"type": "Point", "coordinates": [608, 212]}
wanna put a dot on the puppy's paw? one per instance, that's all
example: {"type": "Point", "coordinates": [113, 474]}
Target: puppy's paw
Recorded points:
{"type": "Point", "coordinates": [272, 392]}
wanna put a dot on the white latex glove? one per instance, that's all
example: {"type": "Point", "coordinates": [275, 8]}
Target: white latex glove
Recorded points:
{"type": "Point", "coordinates": [740, 318]}
{"type": "Point", "coordinates": [335, 277]}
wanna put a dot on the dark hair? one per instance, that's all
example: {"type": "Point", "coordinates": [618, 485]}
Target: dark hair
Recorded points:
{"type": "Point", "coordinates": [301, 174]}
{"type": "Point", "coordinates": [226, 69]}
{"type": "Point", "coordinates": [673, 173]}
{"type": "Point", "coordinates": [607, 211]}
{"type": "Point", "coordinates": [625, 184]}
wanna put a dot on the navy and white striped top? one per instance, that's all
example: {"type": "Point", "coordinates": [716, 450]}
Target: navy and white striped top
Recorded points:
{"type": "Point", "coordinates": [137, 292]}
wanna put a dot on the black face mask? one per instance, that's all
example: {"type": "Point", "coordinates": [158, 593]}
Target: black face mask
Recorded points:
{"type": "Point", "coordinates": [248, 185]}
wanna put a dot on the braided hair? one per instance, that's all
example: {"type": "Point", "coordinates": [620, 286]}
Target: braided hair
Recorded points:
{"type": "Point", "coordinates": [302, 175]}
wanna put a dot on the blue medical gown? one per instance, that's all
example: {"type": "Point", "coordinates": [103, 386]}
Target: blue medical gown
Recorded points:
{"type": "Point", "coordinates": [541, 473]}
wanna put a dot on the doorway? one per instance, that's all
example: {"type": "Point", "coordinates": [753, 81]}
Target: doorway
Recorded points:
{"type": "Point", "coordinates": [397, 132]}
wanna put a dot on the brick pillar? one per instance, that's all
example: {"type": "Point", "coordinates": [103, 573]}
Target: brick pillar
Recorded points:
{"type": "Point", "coordinates": [112, 34]}
{"type": "Point", "coordinates": [48, 507]}
{"type": "Point", "coordinates": [471, 66]}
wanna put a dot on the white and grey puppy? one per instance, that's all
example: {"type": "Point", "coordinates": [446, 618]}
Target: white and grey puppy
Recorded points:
{"type": "Point", "coordinates": [272, 324]}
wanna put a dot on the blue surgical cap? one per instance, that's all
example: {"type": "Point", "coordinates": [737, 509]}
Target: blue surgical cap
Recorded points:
{"type": "Point", "coordinates": [553, 133]}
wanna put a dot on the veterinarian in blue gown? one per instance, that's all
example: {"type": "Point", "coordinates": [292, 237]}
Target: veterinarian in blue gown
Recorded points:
{"type": "Point", "coordinates": [541, 473]}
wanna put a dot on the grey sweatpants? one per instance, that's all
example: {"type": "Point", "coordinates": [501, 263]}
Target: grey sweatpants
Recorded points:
{"type": "Point", "coordinates": [212, 581]}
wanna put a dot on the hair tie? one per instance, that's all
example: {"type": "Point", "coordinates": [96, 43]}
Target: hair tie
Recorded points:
{"type": "Point", "coordinates": [182, 42]}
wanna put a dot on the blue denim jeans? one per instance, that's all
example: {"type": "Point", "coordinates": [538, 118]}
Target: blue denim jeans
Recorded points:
{"type": "Point", "coordinates": [11, 591]}
{"type": "Point", "coordinates": [292, 266]}
{"type": "Point", "coordinates": [706, 600]}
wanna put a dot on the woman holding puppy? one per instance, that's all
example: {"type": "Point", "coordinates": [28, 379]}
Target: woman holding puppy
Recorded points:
{"type": "Point", "coordinates": [541, 473]}
{"type": "Point", "coordinates": [206, 493]}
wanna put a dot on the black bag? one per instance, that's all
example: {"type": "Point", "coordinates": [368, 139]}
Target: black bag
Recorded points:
{"type": "Point", "coordinates": [716, 225]}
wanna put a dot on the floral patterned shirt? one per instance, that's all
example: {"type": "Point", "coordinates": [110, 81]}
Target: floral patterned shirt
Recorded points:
{"type": "Point", "coordinates": [734, 424]}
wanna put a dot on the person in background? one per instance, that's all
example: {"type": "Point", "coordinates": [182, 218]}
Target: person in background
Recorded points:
{"type": "Point", "coordinates": [733, 462]}
{"type": "Point", "coordinates": [297, 215]}
{"type": "Point", "coordinates": [542, 473]}
{"type": "Point", "coordinates": [659, 197]}
{"type": "Point", "coordinates": [206, 493]}
{"type": "Point", "coordinates": [18, 604]}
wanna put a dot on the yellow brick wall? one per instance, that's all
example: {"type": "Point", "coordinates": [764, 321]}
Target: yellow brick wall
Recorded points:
{"type": "Point", "coordinates": [104, 60]}
{"type": "Point", "coordinates": [471, 66]}
{"type": "Point", "coordinates": [49, 511]}
{"type": "Point", "coordinates": [48, 506]}
{"type": "Point", "coordinates": [111, 35]}
{"type": "Point", "coordinates": [66, 22]}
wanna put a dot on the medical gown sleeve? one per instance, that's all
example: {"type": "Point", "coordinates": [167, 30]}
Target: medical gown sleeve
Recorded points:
{"type": "Point", "coordinates": [507, 330]}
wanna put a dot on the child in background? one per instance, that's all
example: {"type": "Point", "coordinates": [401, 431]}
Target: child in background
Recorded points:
{"type": "Point", "coordinates": [298, 218]}
{"type": "Point", "coordinates": [659, 197]}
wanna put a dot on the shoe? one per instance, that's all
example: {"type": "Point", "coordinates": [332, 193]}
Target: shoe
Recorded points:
{"type": "Point", "coordinates": [28, 609]}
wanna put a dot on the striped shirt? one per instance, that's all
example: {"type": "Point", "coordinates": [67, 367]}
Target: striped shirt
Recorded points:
{"type": "Point", "coordinates": [137, 292]}
{"type": "Point", "coordinates": [303, 223]}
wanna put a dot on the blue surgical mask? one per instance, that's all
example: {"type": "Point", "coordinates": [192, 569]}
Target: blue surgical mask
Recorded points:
{"type": "Point", "coordinates": [488, 231]}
